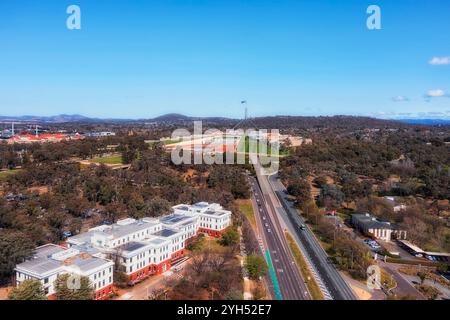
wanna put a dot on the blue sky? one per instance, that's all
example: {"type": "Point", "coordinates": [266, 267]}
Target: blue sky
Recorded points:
{"type": "Point", "coordinates": [139, 59]}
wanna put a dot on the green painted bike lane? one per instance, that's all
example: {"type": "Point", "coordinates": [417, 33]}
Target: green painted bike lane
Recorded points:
{"type": "Point", "coordinates": [276, 287]}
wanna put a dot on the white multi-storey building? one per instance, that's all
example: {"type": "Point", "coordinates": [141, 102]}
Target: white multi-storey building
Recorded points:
{"type": "Point", "coordinates": [50, 261]}
{"type": "Point", "coordinates": [141, 247]}
{"type": "Point", "coordinates": [211, 218]}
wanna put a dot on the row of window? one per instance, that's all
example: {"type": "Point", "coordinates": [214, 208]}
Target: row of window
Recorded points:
{"type": "Point", "coordinates": [101, 284]}
{"type": "Point", "coordinates": [143, 233]}
{"type": "Point", "coordinates": [27, 277]}
{"type": "Point", "coordinates": [209, 226]}
{"type": "Point", "coordinates": [216, 219]}
{"type": "Point", "coordinates": [151, 260]}
{"type": "Point", "coordinates": [100, 273]}
{"type": "Point", "coordinates": [142, 255]}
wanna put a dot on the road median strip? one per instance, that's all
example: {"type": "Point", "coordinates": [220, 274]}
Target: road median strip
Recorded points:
{"type": "Point", "coordinates": [302, 266]}
{"type": "Point", "coordinates": [273, 276]}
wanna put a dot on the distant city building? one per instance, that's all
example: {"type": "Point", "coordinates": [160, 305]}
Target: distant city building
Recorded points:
{"type": "Point", "coordinates": [99, 134]}
{"type": "Point", "coordinates": [47, 137]}
{"type": "Point", "coordinates": [140, 247]}
{"type": "Point", "coordinates": [229, 142]}
{"type": "Point", "coordinates": [371, 226]}
{"type": "Point", "coordinates": [396, 206]}
{"type": "Point", "coordinates": [5, 134]}
{"type": "Point", "coordinates": [297, 141]}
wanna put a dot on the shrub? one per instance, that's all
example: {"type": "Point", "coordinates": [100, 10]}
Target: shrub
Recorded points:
{"type": "Point", "coordinates": [28, 290]}
{"type": "Point", "coordinates": [256, 266]}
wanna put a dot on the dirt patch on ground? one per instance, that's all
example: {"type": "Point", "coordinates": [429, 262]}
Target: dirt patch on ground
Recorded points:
{"type": "Point", "coordinates": [194, 174]}
{"type": "Point", "coordinates": [243, 201]}
{"type": "Point", "coordinates": [361, 291]}
{"type": "Point", "coordinates": [189, 174]}
{"type": "Point", "coordinates": [314, 190]}
{"type": "Point", "coordinates": [39, 190]}
{"type": "Point", "coordinates": [362, 294]}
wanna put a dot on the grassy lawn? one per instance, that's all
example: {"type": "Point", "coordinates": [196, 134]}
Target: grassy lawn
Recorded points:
{"type": "Point", "coordinates": [313, 288]}
{"type": "Point", "coordinates": [117, 159]}
{"type": "Point", "coordinates": [244, 146]}
{"type": "Point", "coordinates": [246, 207]}
{"type": "Point", "coordinates": [166, 142]}
{"type": "Point", "coordinates": [387, 279]}
{"type": "Point", "coordinates": [5, 174]}
{"type": "Point", "coordinates": [152, 143]}
{"type": "Point", "coordinates": [213, 244]}
{"type": "Point", "coordinates": [413, 262]}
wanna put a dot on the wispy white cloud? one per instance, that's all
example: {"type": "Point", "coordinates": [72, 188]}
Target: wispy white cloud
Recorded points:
{"type": "Point", "coordinates": [400, 99]}
{"type": "Point", "coordinates": [439, 61]}
{"type": "Point", "coordinates": [436, 93]}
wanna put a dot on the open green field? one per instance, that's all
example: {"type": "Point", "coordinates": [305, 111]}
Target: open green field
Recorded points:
{"type": "Point", "coordinates": [7, 173]}
{"type": "Point", "coordinates": [245, 206]}
{"type": "Point", "coordinates": [166, 142]}
{"type": "Point", "coordinates": [116, 159]}
{"type": "Point", "coordinates": [313, 288]}
{"type": "Point", "coordinates": [244, 146]}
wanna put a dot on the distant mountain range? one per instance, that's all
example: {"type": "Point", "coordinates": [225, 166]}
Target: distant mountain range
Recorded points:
{"type": "Point", "coordinates": [433, 122]}
{"type": "Point", "coordinates": [53, 119]}
{"type": "Point", "coordinates": [66, 118]}
{"type": "Point", "coordinates": [73, 118]}
{"type": "Point", "coordinates": [175, 117]}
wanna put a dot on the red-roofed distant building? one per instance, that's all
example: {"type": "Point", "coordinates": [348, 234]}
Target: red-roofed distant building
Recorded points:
{"type": "Point", "coordinates": [46, 137]}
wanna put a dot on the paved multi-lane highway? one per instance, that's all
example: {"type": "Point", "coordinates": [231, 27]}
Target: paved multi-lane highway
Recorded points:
{"type": "Point", "coordinates": [288, 279]}
{"type": "Point", "coordinates": [327, 272]}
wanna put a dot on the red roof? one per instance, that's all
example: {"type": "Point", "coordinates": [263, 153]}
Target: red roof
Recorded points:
{"type": "Point", "coordinates": [206, 147]}
{"type": "Point", "coordinates": [42, 137]}
{"type": "Point", "coordinates": [52, 136]}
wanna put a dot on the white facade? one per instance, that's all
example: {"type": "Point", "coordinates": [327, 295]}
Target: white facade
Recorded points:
{"type": "Point", "coordinates": [209, 216]}
{"type": "Point", "coordinates": [135, 244]}
{"type": "Point", "coordinates": [382, 230]}
{"type": "Point", "coordinates": [50, 261]}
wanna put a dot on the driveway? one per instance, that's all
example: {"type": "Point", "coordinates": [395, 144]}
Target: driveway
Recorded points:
{"type": "Point", "coordinates": [444, 290]}
{"type": "Point", "coordinates": [142, 290]}
{"type": "Point", "coordinates": [404, 287]}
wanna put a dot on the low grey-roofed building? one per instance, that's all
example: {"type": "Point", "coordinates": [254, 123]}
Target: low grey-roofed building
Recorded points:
{"type": "Point", "coordinates": [112, 236]}
{"type": "Point", "coordinates": [40, 265]}
{"type": "Point", "coordinates": [371, 226]}
{"type": "Point", "coordinates": [50, 260]}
